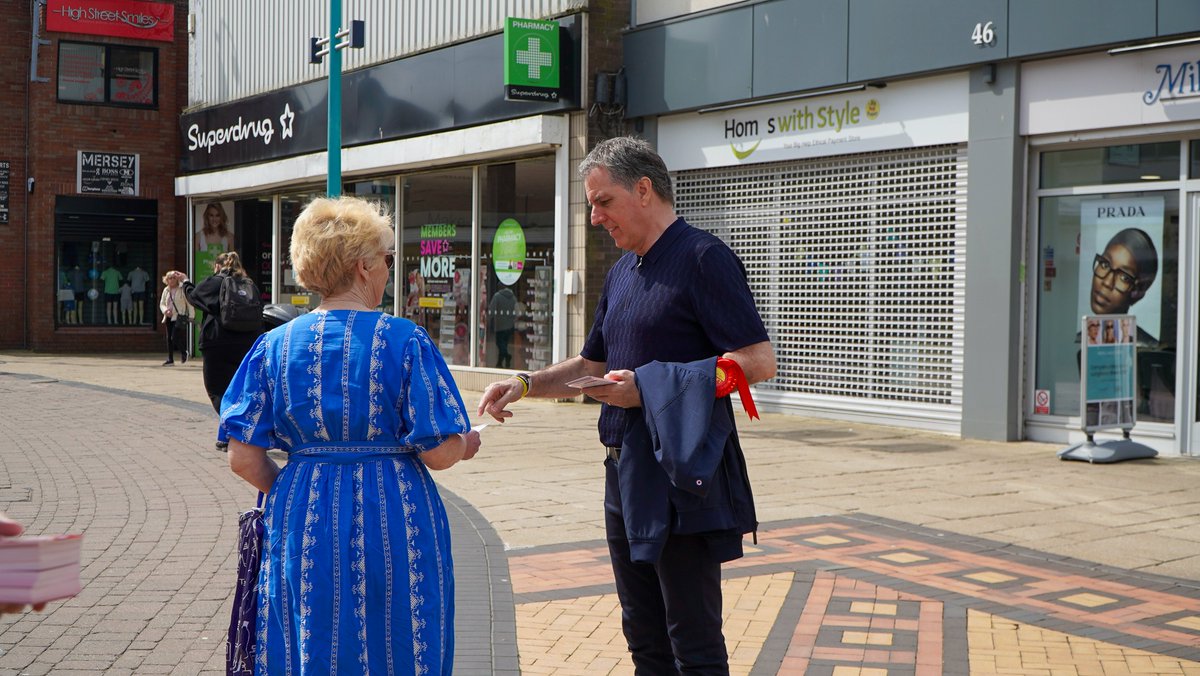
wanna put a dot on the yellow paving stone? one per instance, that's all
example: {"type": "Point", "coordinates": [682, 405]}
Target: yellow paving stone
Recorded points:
{"type": "Point", "coordinates": [583, 635]}
{"type": "Point", "coordinates": [1088, 600]}
{"type": "Point", "coordinates": [998, 645]}
{"type": "Point", "coordinates": [871, 608]}
{"type": "Point", "coordinates": [1190, 622]}
{"type": "Point", "coordinates": [826, 540]}
{"type": "Point", "coordinates": [866, 638]}
{"type": "Point", "coordinates": [990, 577]}
{"type": "Point", "coordinates": [904, 557]}
{"type": "Point", "coordinates": [858, 671]}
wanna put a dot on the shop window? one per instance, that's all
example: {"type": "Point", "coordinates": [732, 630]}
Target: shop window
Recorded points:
{"type": "Point", "coordinates": [115, 75]}
{"type": "Point", "coordinates": [516, 266]}
{"type": "Point", "coordinates": [105, 254]}
{"type": "Point", "coordinates": [1194, 166]}
{"type": "Point", "coordinates": [1110, 253]}
{"type": "Point", "coordinates": [381, 192]}
{"type": "Point", "coordinates": [1110, 165]}
{"type": "Point", "coordinates": [435, 265]}
{"type": "Point", "coordinates": [290, 292]}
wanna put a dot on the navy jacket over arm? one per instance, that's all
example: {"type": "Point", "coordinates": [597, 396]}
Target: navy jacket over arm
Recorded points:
{"type": "Point", "coordinates": [681, 468]}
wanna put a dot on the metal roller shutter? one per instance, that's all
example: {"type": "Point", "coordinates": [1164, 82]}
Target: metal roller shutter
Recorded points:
{"type": "Point", "coordinates": [857, 265]}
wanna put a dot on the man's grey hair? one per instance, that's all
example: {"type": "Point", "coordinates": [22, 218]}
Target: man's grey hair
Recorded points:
{"type": "Point", "coordinates": [627, 160]}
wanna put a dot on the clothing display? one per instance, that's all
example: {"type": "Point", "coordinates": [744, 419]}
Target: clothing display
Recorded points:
{"type": "Point", "coordinates": [357, 576]}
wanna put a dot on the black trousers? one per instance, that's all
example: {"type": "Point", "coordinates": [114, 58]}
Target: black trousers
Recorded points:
{"type": "Point", "coordinates": [220, 363]}
{"type": "Point", "coordinates": [177, 338]}
{"type": "Point", "coordinates": [671, 610]}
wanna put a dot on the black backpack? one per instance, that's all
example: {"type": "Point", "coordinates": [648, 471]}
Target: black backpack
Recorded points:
{"type": "Point", "coordinates": [241, 306]}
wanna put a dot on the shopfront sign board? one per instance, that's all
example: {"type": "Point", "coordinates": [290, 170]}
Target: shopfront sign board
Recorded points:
{"type": "Point", "coordinates": [100, 173]}
{"type": "Point", "coordinates": [924, 112]}
{"type": "Point", "coordinates": [117, 18]}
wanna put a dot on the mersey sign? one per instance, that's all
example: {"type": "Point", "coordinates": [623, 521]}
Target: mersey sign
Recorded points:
{"type": "Point", "coordinates": [121, 18]}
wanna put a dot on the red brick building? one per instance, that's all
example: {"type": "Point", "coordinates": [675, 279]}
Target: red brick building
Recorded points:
{"type": "Point", "coordinates": [88, 218]}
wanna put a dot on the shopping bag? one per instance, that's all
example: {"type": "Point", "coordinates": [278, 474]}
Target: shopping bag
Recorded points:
{"type": "Point", "coordinates": [239, 654]}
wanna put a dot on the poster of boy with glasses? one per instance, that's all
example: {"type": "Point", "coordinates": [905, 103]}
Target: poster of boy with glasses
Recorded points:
{"type": "Point", "coordinates": [1119, 262]}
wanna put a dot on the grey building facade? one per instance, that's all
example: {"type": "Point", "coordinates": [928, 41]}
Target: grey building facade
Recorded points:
{"type": "Point", "coordinates": [927, 195]}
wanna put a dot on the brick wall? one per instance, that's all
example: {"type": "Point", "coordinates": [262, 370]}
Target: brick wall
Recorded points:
{"type": "Point", "coordinates": [606, 24]}
{"type": "Point", "coordinates": [14, 78]}
{"type": "Point", "coordinates": [56, 132]}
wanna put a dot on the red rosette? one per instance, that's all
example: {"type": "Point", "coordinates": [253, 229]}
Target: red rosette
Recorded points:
{"type": "Point", "coordinates": [729, 377]}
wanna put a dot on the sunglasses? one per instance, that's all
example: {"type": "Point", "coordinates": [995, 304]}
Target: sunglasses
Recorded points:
{"type": "Point", "coordinates": [389, 257]}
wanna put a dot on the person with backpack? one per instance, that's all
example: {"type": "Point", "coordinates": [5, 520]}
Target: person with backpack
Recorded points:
{"type": "Point", "coordinates": [232, 309]}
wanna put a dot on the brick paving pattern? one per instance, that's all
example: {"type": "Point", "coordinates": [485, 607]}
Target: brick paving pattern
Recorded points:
{"type": "Point", "coordinates": [1022, 564]}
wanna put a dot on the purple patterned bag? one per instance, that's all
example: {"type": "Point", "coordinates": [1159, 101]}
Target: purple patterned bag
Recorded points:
{"type": "Point", "coordinates": [239, 653]}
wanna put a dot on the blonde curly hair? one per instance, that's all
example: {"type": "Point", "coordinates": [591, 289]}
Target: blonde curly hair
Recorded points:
{"type": "Point", "coordinates": [329, 238]}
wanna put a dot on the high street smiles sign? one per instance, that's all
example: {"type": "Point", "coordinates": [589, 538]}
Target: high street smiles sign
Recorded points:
{"type": "Point", "coordinates": [120, 18]}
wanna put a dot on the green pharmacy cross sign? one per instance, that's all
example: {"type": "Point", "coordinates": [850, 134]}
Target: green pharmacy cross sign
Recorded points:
{"type": "Point", "coordinates": [531, 60]}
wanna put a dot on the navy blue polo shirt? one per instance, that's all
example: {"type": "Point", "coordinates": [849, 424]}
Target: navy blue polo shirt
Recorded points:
{"type": "Point", "coordinates": [686, 299]}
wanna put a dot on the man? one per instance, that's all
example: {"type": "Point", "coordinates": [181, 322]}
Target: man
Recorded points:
{"type": "Point", "coordinates": [678, 295]}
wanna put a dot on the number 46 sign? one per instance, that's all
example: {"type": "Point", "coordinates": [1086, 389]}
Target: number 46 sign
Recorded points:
{"type": "Point", "coordinates": [984, 34]}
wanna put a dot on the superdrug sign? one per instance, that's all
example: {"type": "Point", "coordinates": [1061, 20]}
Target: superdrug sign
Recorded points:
{"type": "Point", "coordinates": [120, 18]}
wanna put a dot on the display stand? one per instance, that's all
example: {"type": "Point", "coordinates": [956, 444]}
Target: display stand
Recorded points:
{"type": "Point", "coordinates": [1114, 450]}
{"type": "Point", "coordinates": [1108, 390]}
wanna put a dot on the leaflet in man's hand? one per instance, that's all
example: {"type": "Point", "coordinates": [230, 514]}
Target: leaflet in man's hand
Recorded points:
{"type": "Point", "coordinates": [589, 381]}
{"type": "Point", "coordinates": [39, 568]}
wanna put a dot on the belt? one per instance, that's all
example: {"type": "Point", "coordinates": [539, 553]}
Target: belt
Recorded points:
{"type": "Point", "coordinates": [614, 452]}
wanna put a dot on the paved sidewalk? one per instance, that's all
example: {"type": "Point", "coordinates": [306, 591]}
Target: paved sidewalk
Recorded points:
{"type": "Point", "coordinates": [881, 551]}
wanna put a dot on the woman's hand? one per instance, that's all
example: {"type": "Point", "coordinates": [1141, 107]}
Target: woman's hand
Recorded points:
{"type": "Point", "coordinates": [471, 443]}
{"type": "Point", "coordinates": [445, 455]}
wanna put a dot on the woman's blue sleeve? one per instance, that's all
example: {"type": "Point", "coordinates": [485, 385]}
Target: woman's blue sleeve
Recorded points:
{"type": "Point", "coordinates": [430, 407]}
{"type": "Point", "coordinates": [247, 411]}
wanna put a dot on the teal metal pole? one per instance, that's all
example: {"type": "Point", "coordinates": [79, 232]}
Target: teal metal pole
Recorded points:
{"type": "Point", "coordinates": [333, 181]}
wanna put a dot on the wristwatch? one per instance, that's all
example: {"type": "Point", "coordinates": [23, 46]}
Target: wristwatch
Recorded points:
{"type": "Point", "coordinates": [526, 382]}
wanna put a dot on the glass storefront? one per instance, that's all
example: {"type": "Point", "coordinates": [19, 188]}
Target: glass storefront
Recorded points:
{"type": "Point", "coordinates": [435, 254]}
{"type": "Point", "coordinates": [448, 263]}
{"type": "Point", "coordinates": [516, 264]}
{"type": "Point", "coordinates": [291, 293]}
{"type": "Point", "coordinates": [1108, 252]}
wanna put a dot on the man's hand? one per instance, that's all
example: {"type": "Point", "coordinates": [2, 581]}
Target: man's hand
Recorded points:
{"type": "Point", "coordinates": [623, 393]}
{"type": "Point", "coordinates": [498, 396]}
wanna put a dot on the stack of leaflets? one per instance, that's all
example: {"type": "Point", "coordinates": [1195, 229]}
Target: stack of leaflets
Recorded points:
{"type": "Point", "coordinates": [39, 568]}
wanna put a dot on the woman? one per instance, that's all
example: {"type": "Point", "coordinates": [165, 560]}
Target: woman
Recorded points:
{"type": "Point", "coordinates": [223, 348]}
{"type": "Point", "coordinates": [356, 575]}
{"type": "Point", "coordinates": [215, 228]}
{"type": "Point", "coordinates": [177, 313]}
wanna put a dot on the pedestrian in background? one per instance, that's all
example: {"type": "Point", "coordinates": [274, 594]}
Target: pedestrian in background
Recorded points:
{"type": "Point", "coordinates": [177, 315]}
{"type": "Point", "coordinates": [356, 573]}
{"type": "Point", "coordinates": [223, 347]}
{"type": "Point", "coordinates": [679, 295]}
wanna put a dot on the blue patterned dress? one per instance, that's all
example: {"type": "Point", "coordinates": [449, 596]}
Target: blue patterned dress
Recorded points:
{"type": "Point", "coordinates": [356, 575]}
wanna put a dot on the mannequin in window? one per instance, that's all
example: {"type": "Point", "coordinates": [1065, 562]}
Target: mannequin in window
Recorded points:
{"type": "Point", "coordinates": [126, 304]}
{"type": "Point", "coordinates": [138, 279]}
{"type": "Point", "coordinates": [215, 228]}
{"type": "Point", "coordinates": [112, 293]}
{"type": "Point", "coordinates": [66, 298]}
{"type": "Point", "coordinates": [79, 288]}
